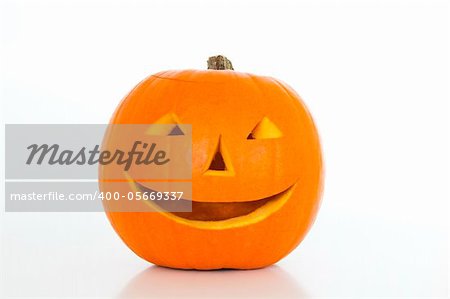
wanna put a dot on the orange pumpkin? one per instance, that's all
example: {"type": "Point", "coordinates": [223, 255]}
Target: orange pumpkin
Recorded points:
{"type": "Point", "coordinates": [256, 169]}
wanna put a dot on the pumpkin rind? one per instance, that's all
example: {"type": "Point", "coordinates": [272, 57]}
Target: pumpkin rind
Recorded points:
{"type": "Point", "coordinates": [227, 105]}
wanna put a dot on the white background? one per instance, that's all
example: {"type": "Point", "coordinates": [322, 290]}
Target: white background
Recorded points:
{"type": "Point", "coordinates": [374, 74]}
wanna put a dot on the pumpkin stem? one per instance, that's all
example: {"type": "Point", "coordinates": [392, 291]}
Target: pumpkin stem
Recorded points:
{"type": "Point", "coordinates": [219, 62]}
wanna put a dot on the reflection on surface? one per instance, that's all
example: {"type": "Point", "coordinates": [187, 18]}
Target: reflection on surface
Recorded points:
{"type": "Point", "coordinates": [158, 282]}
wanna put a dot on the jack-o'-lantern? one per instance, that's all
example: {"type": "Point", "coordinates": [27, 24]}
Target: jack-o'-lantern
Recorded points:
{"type": "Point", "coordinates": [256, 169]}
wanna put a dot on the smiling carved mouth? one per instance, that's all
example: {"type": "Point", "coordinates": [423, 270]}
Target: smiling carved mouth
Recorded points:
{"type": "Point", "coordinates": [218, 211]}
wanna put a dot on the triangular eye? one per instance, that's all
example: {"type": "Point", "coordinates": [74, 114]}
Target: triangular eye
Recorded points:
{"type": "Point", "coordinates": [176, 131]}
{"type": "Point", "coordinates": [169, 118]}
{"type": "Point", "coordinates": [165, 125]}
{"type": "Point", "coordinates": [265, 129]}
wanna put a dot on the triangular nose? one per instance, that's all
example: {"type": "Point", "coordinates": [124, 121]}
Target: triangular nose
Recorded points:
{"type": "Point", "coordinates": [217, 162]}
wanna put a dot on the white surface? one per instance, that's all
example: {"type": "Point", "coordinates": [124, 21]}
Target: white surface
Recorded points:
{"type": "Point", "coordinates": [374, 74]}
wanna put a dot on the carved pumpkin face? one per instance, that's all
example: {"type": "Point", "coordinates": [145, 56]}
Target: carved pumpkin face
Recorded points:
{"type": "Point", "coordinates": [256, 170]}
